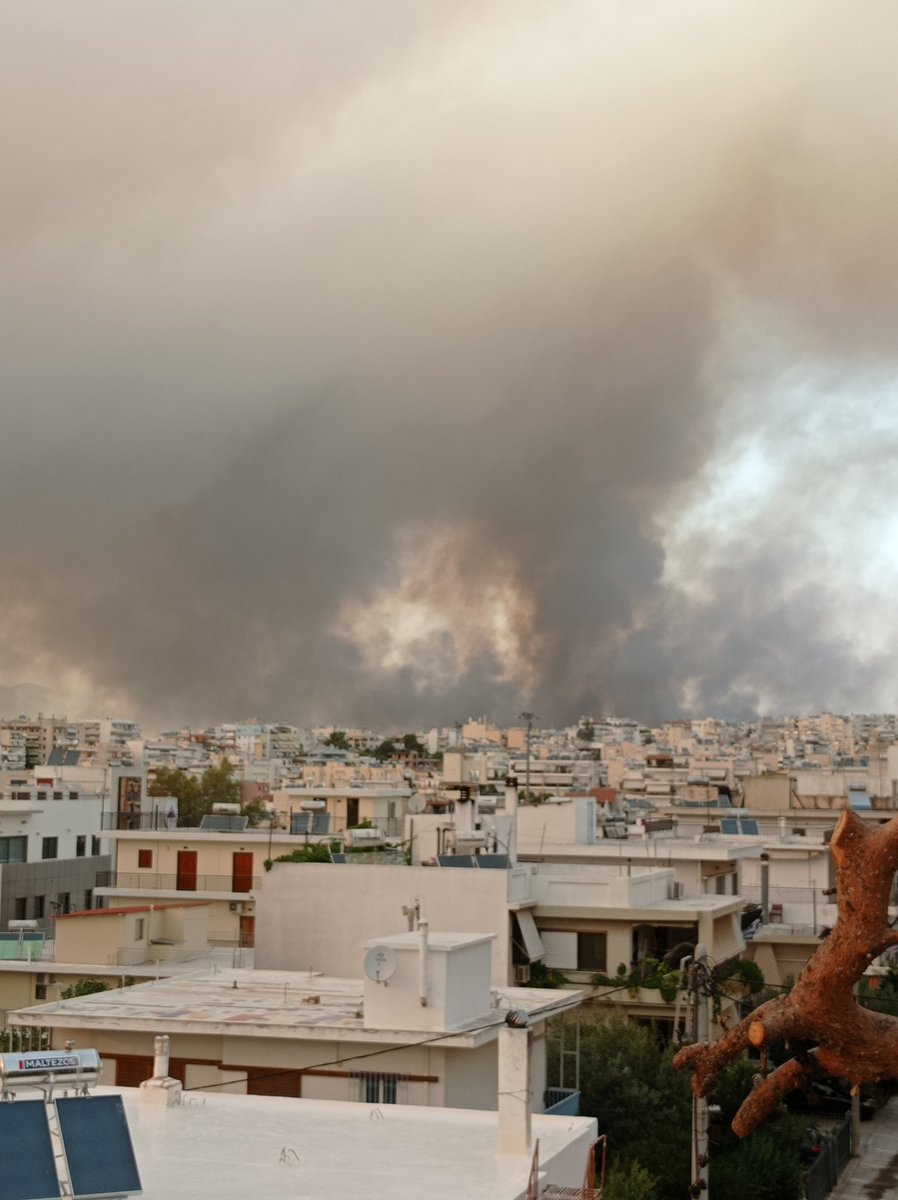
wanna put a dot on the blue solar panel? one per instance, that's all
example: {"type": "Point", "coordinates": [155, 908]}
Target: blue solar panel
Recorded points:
{"type": "Point", "coordinates": [97, 1145]}
{"type": "Point", "coordinates": [729, 825]}
{"type": "Point", "coordinates": [27, 1165]}
{"type": "Point", "coordinates": [749, 826]}
{"type": "Point", "coordinates": [498, 862]}
{"type": "Point", "coordinates": [456, 860]}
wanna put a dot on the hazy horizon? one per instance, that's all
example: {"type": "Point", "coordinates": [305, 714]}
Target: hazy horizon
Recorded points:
{"type": "Point", "coordinates": [395, 361]}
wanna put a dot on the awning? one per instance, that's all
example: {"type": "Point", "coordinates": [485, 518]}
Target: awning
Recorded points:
{"type": "Point", "coordinates": [533, 943]}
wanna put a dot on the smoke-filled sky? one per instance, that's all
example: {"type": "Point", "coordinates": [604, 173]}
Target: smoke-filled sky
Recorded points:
{"type": "Point", "coordinates": [388, 361]}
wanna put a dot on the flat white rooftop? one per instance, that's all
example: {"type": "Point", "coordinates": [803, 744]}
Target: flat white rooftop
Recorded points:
{"type": "Point", "coordinates": [273, 1004]}
{"type": "Point", "coordinates": [213, 1147]}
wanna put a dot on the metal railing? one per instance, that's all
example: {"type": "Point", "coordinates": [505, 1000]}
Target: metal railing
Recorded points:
{"type": "Point", "coordinates": [295, 819]}
{"type": "Point", "coordinates": [140, 881]}
{"type": "Point", "coordinates": [823, 1173]}
{"type": "Point", "coordinates": [562, 1102]}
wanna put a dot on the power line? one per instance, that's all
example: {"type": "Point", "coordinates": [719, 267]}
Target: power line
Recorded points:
{"type": "Point", "coordinates": [338, 1062]}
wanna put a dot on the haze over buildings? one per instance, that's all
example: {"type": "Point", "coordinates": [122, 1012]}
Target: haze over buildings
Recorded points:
{"type": "Point", "coordinates": [398, 361]}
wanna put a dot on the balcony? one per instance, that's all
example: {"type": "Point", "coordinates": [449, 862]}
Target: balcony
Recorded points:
{"type": "Point", "coordinates": [152, 881]}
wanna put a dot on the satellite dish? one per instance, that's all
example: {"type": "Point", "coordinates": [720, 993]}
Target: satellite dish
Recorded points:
{"type": "Point", "coordinates": [380, 963]}
{"type": "Point", "coordinates": [416, 803]}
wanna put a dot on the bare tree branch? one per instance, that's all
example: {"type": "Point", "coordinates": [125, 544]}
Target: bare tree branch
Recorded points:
{"type": "Point", "coordinates": [851, 1042]}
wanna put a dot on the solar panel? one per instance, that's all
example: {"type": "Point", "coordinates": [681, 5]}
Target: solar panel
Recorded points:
{"type": "Point", "coordinates": [749, 826]}
{"type": "Point", "coordinates": [222, 823]}
{"type": "Point", "coordinates": [729, 825]}
{"type": "Point", "coordinates": [97, 1145]}
{"type": "Point", "coordinates": [29, 1171]}
{"type": "Point", "coordinates": [310, 822]}
{"type": "Point", "coordinates": [456, 860]}
{"type": "Point", "coordinates": [498, 862]}
{"type": "Point", "coordinates": [338, 856]}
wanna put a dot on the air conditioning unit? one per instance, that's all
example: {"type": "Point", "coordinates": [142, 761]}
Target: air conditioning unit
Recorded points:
{"type": "Point", "coordinates": [676, 891]}
{"type": "Point", "coordinates": [522, 973]}
{"type": "Point", "coordinates": [234, 906]}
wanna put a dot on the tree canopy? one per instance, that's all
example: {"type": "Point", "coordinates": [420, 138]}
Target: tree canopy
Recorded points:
{"type": "Point", "coordinates": [644, 1106]}
{"type": "Point", "coordinates": [195, 797]}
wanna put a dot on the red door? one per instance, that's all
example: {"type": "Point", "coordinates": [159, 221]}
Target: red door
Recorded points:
{"type": "Point", "coordinates": [242, 871]}
{"type": "Point", "coordinates": [248, 932]}
{"type": "Point", "coordinates": [186, 881]}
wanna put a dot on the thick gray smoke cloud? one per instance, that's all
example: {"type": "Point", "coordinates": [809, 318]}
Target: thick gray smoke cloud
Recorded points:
{"type": "Point", "coordinates": [394, 361]}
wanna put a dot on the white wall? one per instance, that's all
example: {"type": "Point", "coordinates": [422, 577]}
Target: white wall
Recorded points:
{"type": "Point", "coordinates": [319, 915]}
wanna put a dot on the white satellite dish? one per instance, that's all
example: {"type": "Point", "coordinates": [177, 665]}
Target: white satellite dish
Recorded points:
{"type": "Point", "coordinates": [416, 804]}
{"type": "Point", "coordinates": [380, 963]}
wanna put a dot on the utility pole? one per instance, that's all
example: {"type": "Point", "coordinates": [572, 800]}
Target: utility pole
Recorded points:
{"type": "Point", "coordinates": [528, 717]}
{"type": "Point", "coordinates": [699, 981]}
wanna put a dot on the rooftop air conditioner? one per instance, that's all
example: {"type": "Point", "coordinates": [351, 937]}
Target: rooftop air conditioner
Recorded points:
{"type": "Point", "coordinates": [676, 891]}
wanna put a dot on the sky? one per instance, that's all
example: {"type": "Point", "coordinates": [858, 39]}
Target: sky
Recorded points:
{"type": "Point", "coordinates": [387, 362]}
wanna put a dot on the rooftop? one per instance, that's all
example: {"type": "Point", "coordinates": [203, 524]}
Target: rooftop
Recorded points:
{"type": "Point", "coordinates": [213, 1147]}
{"type": "Point", "coordinates": [274, 1004]}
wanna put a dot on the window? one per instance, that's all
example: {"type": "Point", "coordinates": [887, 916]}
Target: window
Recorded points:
{"type": "Point", "coordinates": [81, 845]}
{"type": "Point", "coordinates": [139, 927]}
{"type": "Point", "coordinates": [50, 847]}
{"type": "Point", "coordinates": [20, 905]}
{"type": "Point", "coordinates": [88, 899]}
{"type": "Point", "coordinates": [144, 858]}
{"type": "Point", "coordinates": [95, 845]}
{"type": "Point", "coordinates": [65, 902]}
{"type": "Point", "coordinates": [39, 907]}
{"type": "Point", "coordinates": [379, 1089]}
{"type": "Point", "coordinates": [42, 795]}
{"type": "Point", "coordinates": [13, 849]}
{"type": "Point", "coordinates": [73, 795]}
{"type": "Point", "coordinates": [57, 795]}
{"type": "Point", "coordinates": [591, 951]}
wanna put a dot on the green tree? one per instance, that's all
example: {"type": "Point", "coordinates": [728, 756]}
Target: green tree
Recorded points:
{"type": "Point", "coordinates": [196, 796]}
{"type": "Point", "coordinates": [644, 1106]}
{"type": "Point", "coordinates": [338, 740]}
{"type": "Point", "coordinates": [385, 750]}
{"type": "Point", "coordinates": [586, 732]}
{"type": "Point", "coordinates": [629, 1180]}
{"type": "Point", "coordinates": [411, 744]}
{"type": "Point", "coordinates": [84, 987]}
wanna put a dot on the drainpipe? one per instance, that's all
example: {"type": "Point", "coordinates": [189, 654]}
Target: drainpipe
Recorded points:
{"type": "Point", "coordinates": [765, 888]}
{"type": "Point", "coordinates": [423, 927]}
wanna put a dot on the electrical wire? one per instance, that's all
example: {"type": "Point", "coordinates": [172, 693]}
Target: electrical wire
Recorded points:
{"type": "Point", "coordinates": [338, 1062]}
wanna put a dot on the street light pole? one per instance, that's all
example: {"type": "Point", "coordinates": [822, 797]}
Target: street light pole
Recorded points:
{"type": "Point", "coordinates": [528, 717]}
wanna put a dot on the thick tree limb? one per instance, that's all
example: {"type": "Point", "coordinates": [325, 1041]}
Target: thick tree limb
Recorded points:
{"type": "Point", "coordinates": [851, 1042]}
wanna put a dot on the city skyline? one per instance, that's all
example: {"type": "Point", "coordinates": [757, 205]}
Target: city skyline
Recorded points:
{"type": "Point", "coordinates": [400, 360]}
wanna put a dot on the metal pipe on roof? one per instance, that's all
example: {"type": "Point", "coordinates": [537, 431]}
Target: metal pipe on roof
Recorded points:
{"type": "Point", "coordinates": [423, 927]}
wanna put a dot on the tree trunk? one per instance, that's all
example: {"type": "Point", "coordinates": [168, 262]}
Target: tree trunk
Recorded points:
{"type": "Point", "coordinates": [851, 1042]}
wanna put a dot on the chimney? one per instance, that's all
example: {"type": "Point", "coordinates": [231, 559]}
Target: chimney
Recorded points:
{"type": "Point", "coordinates": [161, 1089]}
{"type": "Point", "coordinates": [514, 1085]}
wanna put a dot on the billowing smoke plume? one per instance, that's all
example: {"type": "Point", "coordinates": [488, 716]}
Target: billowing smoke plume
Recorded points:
{"type": "Point", "coordinates": [390, 361]}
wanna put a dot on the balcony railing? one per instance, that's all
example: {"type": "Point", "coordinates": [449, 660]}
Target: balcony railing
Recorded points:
{"type": "Point", "coordinates": [298, 821]}
{"type": "Point", "coordinates": [141, 881]}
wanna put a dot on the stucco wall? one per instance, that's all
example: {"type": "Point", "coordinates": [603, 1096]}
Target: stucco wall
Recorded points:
{"type": "Point", "coordinates": [319, 915]}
